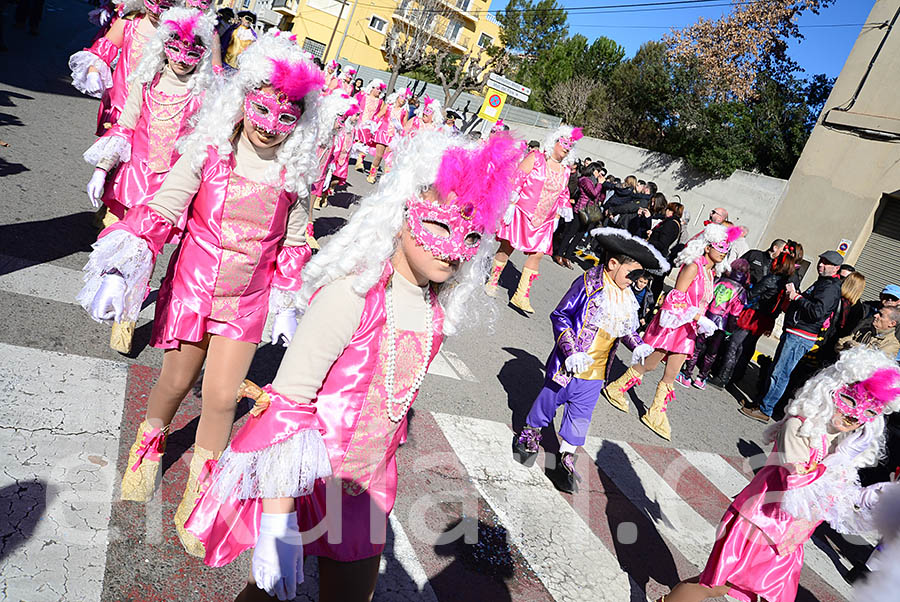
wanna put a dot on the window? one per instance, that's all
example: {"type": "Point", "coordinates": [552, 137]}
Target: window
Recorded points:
{"type": "Point", "coordinates": [317, 49]}
{"type": "Point", "coordinates": [377, 23]}
{"type": "Point", "coordinates": [453, 30]}
{"type": "Point", "coordinates": [246, 4]}
{"type": "Point", "coordinates": [462, 5]}
{"type": "Point", "coordinates": [485, 41]}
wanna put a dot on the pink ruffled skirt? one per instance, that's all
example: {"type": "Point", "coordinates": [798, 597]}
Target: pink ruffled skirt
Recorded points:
{"type": "Point", "coordinates": [744, 557]}
{"type": "Point", "coordinates": [673, 340]}
{"type": "Point", "coordinates": [524, 236]}
{"type": "Point", "coordinates": [134, 184]}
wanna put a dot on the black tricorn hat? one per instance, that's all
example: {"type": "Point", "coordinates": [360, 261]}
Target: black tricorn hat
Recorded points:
{"type": "Point", "coordinates": [619, 242]}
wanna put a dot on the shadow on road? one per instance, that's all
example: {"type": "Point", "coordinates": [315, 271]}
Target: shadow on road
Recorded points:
{"type": "Point", "coordinates": [45, 240]}
{"type": "Point", "coordinates": [480, 569]}
{"type": "Point", "coordinates": [23, 503]}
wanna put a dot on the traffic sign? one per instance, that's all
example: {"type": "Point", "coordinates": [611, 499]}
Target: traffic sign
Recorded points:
{"type": "Point", "coordinates": [516, 90]}
{"type": "Point", "coordinates": [492, 105]}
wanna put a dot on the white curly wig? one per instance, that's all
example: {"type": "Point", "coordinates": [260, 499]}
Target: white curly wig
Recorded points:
{"type": "Point", "coordinates": [696, 247]}
{"type": "Point", "coordinates": [130, 6]}
{"type": "Point", "coordinates": [154, 56]}
{"type": "Point", "coordinates": [369, 240]}
{"type": "Point", "coordinates": [436, 106]}
{"type": "Point", "coordinates": [883, 583]}
{"type": "Point", "coordinates": [373, 84]}
{"type": "Point", "coordinates": [815, 400]}
{"type": "Point", "coordinates": [563, 131]}
{"type": "Point", "coordinates": [223, 110]}
{"type": "Point", "coordinates": [394, 96]}
{"type": "Point", "coordinates": [329, 108]}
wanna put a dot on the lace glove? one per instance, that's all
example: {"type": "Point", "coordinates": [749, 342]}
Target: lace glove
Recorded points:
{"type": "Point", "coordinates": [578, 362]}
{"type": "Point", "coordinates": [109, 302]}
{"type": "Point", "coordinates": [640, 353]}
{"type": "Point", "coordinates": [93, 83]}
{"type": "Point", "coordinates": [508, 216]}
{"type": "Point", "coordinates": [96, 186]}
{"type": "Point", "coordinates": [278, 556]}
{"type": "Point", "coordinates": [705, 326]}
{"type": "Point", "coordinates": [284, 326]}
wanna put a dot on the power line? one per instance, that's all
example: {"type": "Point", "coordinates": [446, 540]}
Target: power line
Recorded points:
{"type": "Point", "coordinates": [823, 25]}
{"type": "Point", "coordinates": [664, 5]}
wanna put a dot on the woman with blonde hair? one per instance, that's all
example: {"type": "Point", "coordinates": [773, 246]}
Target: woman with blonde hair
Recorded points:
{"type": "Point", "coordinates": [849, 314]}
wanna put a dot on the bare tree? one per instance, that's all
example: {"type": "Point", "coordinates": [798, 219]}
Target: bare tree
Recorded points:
{"type": "Point", "coordinates": [460, 72]}
{"type": "Point", "coordinates": [571, 96]}
{"type": "Point", "coordinates": [416, 27]}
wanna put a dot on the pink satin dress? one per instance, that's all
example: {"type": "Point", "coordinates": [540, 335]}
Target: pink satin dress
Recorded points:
{"type": "Point", "coordinates": [230, 256]}
{"type": "Point", "coordinates": [759, 546]}
{"type": "Point", "coordinates": [542, 193]}
{"type": "Point", "coordinates": [389, 125]}
{"type": "Point", "coordinates": [337, 161]}
{"type": "Point", "coordinates": [114, 97]}
{"type": "Point", "coordinates": [370, 107]}
{"type": "Point", "coordinates": [164, 120]}
{"type": "Point", "coordinates": [361, 441]}
{"type": "Point", "coordinates": [682, 306]}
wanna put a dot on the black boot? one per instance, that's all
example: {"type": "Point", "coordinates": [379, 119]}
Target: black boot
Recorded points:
{"type": "Point", "coordinates": [563, 475]}
{"type": "Point", "coordinates": [526, 445]}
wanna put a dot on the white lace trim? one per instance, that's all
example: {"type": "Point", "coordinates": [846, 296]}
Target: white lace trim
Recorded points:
{"type": "Point", "coordinates": [833, 497]}
{"type": "Point", "coordinates": [83, 60]}
{"type": "Point", "coordinates": [280, 300]}
{"type": "Point", "coordinates": [131, 257]}
{"type": "Point", "coordinates": [617, 314]}
{"type": "Point", "coordinates": [108, 147]}
{"type": "Point", "coordinates": [675, 319]}
{"type": "Point", "coordinates": [287, 469]}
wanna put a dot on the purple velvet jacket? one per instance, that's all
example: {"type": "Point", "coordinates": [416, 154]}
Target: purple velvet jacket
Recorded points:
{"type": "Point", "coordinates": [573, 328]}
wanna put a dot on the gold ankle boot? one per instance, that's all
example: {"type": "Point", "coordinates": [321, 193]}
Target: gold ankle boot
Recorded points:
{"type": "Point", "coordinates": [197, 481]}
{"type": "Point", "coordinates": [142, 472]}
{"type": "Point", "coordinates": [120, 336]}
{"type": "Point", "coordinates": [615, 391]}
{"type": "Point", "coordinates": [494, 281]}
{"type": "Point", "coordinates": [656, 417]}
{"type": "Point", "coordinates": [521, 298]}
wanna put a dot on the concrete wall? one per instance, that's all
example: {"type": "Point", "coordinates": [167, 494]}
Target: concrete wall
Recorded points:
{"type": "Point", "coordinates": [749, 198]}
{"type": "Point", "coordinates": [839, 180]}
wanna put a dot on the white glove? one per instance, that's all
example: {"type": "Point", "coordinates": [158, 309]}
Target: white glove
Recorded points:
{"type": "Point", "coordinates": [284, 326]}
{"type": "Point", "coordinates": [705, 326]}
{"type": "Point", "coordinates": [109, 301]}
{"type": "Point", "coordinates": [508, 216]}
{"type": "Point", "coordinates": [578, 362]}
{"type": "Point", "coordinates": [869, 496]}
{"type": "Point", "coordinates": [566, 213]}
{"type": "Point", "coordinates": [93, 83]}
{"type": "Point", "coordinates": [640, 353]}
{"type": "Point", "coordinates": [95, 187]}
{"type": "Point", "coordinates": [278, 556]}
{"type": "Point", "coordinates": [853, 446]}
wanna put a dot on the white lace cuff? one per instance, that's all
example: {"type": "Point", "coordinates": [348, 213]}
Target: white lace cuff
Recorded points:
{"type": "Point", "coordinates": [281, 300]}
{"type": "Point", "coordinates": [80, 63]}
{"type": "Point", "coordinates": [833, 497]}
{"type": "Point", "coordinates": [109, 147]}
{"type": "Point", "coordinates": [287, 469]}
{"type": "Point", "coordinates": [131, 257]}
{"type": "Point", "coordinates": [674, 319]}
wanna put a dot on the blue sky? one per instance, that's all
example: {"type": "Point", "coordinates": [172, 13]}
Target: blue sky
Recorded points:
{"type": "Point", "coordinates": [823, 50]}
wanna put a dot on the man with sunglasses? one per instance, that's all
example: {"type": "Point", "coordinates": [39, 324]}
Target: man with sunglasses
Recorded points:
{"type": "Point", "coordinates": [889, 297]}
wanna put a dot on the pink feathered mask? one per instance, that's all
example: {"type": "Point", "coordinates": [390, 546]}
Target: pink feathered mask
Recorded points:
{"type": "Point", "coordinates": [295, 79]}
{"type": "Point", "coordinates": [567, 142]}
{"type": "Point", "coordinates": [182, 47]}
{"type": "Point", "coordinates": [734, 233]}
{"type": "Point", "coordinates": [476, 185]}
{"type": "Point", "coordinates": [865, 400]}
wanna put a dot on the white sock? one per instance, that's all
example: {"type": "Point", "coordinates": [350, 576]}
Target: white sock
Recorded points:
{"type": "Point", "coordinates": [565, 446]}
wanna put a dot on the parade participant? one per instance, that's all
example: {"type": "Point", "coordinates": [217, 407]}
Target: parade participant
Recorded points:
{"type": "Point", "coordinates": [239, 177]}
{"type": "Point", "coordinates": [406, 270]}
{"type": "Point", "coordinates": [102, 70]}
{"type": "Point", "coordinates": [372, 110]}
{"type": "Point", "coordinates": [393, 118]}
{"type": "Point", "coordinates": [216, 48]}
{"type": "Point", "coordinates": [676, 325]}
{"type": "Point", "coordinates": [883, 582]}
{"type": "Point", "coordinates": [167, 88]}
{"type": "Point", "coordinates": [238, 38]}
{"type": "Point", "coordinates": [430, 119]}
{"type": "Point", "coordinates": [335, 161]}
{"type": "Point", "coordinates": [529, 223]}
{"type": "Point", "coordinates": [346, 79]}
{"type": "Point", "coordinates": [833, 427]}
{"type": "Point", "coordinates": [332, 79]}
{"type": "Point", "coordinates": [598, 310]}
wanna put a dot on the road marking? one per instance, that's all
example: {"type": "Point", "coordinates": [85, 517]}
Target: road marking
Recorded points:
{"type": "Point", "coordinates": [568, 558]}
{"type": "Point", "coordinates": [59, 432]}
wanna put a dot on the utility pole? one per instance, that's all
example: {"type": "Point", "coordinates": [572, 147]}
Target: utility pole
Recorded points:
{"type": "Point", "coordinates": [346, 29]}
{"type": "Point", "coordinates": [334, 31]}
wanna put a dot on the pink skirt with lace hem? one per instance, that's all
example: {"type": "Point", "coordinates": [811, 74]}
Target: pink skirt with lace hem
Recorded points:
{"type": "Point", "coordinates": [524, 236]}
{"type": "Point", "coordinates": [673, 340]}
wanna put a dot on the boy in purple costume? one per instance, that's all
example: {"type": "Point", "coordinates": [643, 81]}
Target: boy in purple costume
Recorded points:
{"type": "Point", "coordinates": [597, 311]}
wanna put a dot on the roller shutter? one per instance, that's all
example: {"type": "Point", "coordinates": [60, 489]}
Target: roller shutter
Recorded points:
{"type": "Point", "coordinates": [879, 261]}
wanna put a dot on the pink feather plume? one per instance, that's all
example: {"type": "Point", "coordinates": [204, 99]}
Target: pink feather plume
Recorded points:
{"type": "Point", "coordinates": [427, 101]}
{"type": "Point", "coordinates": [884, 385]}
{"type": "Point", "coordinates": [734, 233]}
{"type": "Point", "coordinates": [577, 134]}
{"type": "Point", "coordinates": [185, 28]}
{"type": "Point", "coordinates": [483, 176]}
{"type": "Point", "coordinates": [297, 79]}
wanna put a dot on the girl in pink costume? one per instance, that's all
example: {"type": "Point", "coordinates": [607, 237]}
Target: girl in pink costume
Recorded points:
{"type": "Point", "coordinates": [542, 195]}
{"type": "Point", "coordinates": [238, 180]}
{"type": "Point", "coordinates": [335, 161]}
{"type": "Point", "coordinates": [677, 324]}
{"type": "Point", "coordinates": [320, 448]}
{"type": "Point", "coordinates": [102, 70]}
{"type": "Point", "coordinates": [167, 88]}
{"type": "Point", "coordinates": [372, 110]}
{"type": "Point", "coordinates": [430, 120]}
{"type": "Point", "coordinates": [346, 79]}
{"type": "Point", "coordinates": [332, 77]}
{"type": "Point", "coordinates": [393, 118]}
{"type": "Point", "coordinates": [832, 428]}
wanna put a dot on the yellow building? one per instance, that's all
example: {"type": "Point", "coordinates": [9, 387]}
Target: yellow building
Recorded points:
{"type": "Point", "coordinates": [320, 25]}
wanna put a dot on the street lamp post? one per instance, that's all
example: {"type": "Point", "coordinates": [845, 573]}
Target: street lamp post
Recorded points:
{"type": "Point", "coordinates": [334, 30]}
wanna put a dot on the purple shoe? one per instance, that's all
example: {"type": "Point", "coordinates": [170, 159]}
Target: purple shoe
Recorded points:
{"type": "Point", "coordinates": [683, 380]}
{"type": "Point", "coordinates": [563, 476]}
{"type": "Point", "coordinates": [526, 445]}
{"type": "Point", "coordinates": [699, 383]}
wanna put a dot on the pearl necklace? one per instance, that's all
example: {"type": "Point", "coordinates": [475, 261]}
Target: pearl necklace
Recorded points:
{"type": "Point", "coordinates": [396, 409]}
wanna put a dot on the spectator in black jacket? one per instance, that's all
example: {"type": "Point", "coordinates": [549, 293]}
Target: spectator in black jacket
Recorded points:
{"type": "Point", "coordinates": [805, 317]}
{"type": "Point", "coordinates": [624, 211]}
{"type": "Point", "coordinates": [666, 232]}
{"type": "Point", "coordinates": [761, 261]}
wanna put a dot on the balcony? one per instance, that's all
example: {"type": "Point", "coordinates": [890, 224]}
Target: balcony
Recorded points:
{"type": "Point", "coordinates": [461, 8]}
{"type": "Point", "coordinates": [442, 31]}
{"type": "Point", "coordinates": [288, 8]}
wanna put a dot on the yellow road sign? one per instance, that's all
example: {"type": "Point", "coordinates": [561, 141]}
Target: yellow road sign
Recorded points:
{"type": "Point", "coordinates": [492, 105]}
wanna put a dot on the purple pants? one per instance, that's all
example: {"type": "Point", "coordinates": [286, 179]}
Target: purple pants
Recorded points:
{"type": "Point", "coordinates": [579, 397]}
